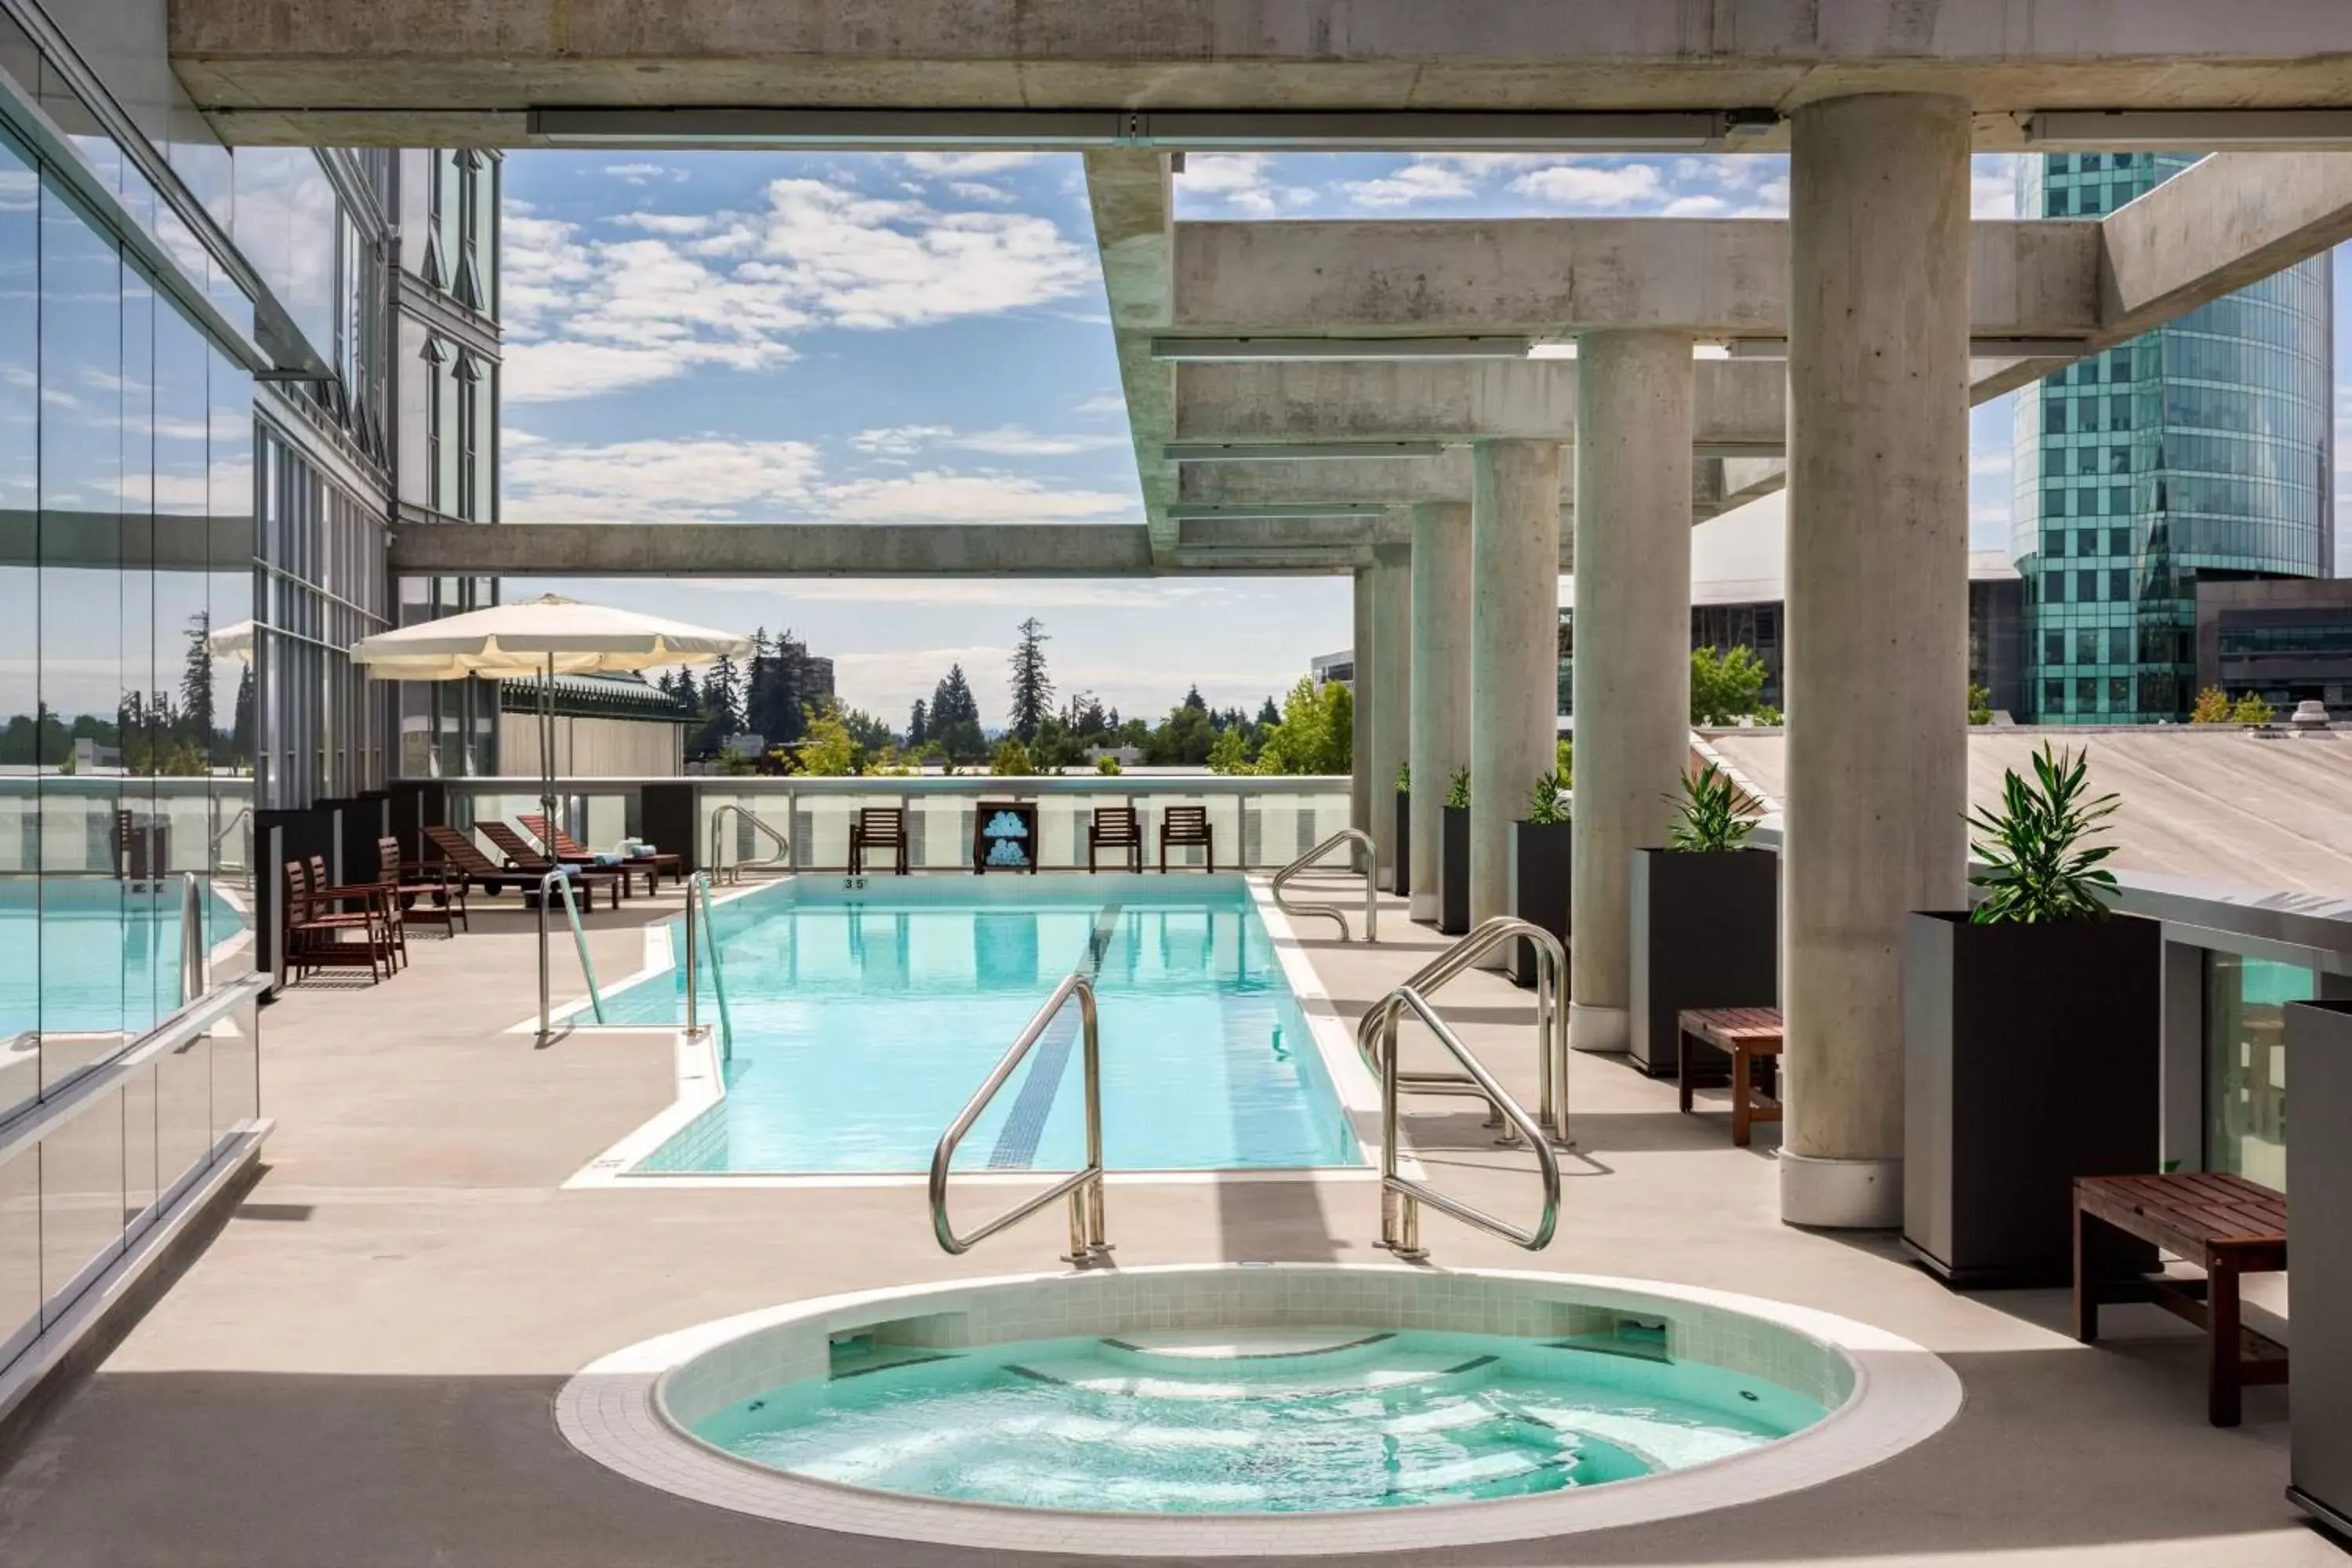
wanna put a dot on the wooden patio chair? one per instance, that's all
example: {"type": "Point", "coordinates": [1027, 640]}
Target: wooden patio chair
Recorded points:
{"type": "Point", "coordinates": [432, 896]}
{"type": "Point", "coordinates": [571, 852]}
{"type": "Point", "coordinates": [377, 899]}
{"type": "Point", "coordinates": [1115, 828]}
{"type": "Point", "coordinates": [523, 856]}
{"type": "Point", "coordinates": [878, 828]}
{"type": "Point", "coordinates": [311, 937]}
{"type": "Point", "coordinates": [1184, 826]}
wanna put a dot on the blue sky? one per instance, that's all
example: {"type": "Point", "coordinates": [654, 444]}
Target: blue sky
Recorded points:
{"type": "Point", "coordinates": [922, 337]}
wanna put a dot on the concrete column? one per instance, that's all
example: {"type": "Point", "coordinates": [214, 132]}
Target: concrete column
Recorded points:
{"type": "Point", "coordinates": [1392, 702]}
{"type": "Point", "coordinates": [1441, 680]}
{"type": "Point", "coordinates": [1877, 662]}
{"type": "Point", "coordinates": [1514, 652]}
{"type": "Point", "coordinates": [1360, 740]}
{"type": "Point", "coordinates": [1633, 411]}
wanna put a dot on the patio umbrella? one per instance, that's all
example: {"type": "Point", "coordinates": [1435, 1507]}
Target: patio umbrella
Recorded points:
{"type": "Point", "coordinates": [542, 638]}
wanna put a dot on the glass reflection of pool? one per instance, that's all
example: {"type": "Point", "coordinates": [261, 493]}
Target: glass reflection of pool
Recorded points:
{"type": "Point", "coordinates": [94, 955]}
{"type": "Point", "coordinates": [864, 1020]}
{"type": "Point", "coordinates": [1262, 1422]}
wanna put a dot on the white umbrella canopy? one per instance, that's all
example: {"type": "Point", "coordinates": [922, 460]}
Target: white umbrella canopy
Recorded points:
{"type": "Point", "coordinates": [547, 635]}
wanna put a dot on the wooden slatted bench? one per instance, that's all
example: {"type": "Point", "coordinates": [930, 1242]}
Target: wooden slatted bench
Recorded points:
{"type": "Point", "coordinates": [1750, 1036]}
{"type": "Point", "coordinates": [2225, 1225]}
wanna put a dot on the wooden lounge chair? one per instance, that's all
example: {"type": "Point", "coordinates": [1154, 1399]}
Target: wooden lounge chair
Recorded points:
{"type": "Point", "coordinates": [878, 828]}
{"type": "Point", "coordinates": [1115, 828]}
{"type": "Point", "coordinates": [570, 850]}
{"type": "Point", "coordinates": [460, 858]}
{"type": "Point", "coordinates": [1186, 824]}
{"type": "Point", "coordinates": [523, 856]}
{"type": "Point", "coordinates": [312, 934]}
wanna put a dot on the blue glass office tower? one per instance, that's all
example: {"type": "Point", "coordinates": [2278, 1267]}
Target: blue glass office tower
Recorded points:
{"type": "Point", "coordinates": [2200, 450]}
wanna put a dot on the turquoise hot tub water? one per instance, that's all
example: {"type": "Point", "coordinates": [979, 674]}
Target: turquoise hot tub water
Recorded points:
{"type": "Point", "coordinates": [863, 1020]}
{"type": "Point", "coordinates": [1180, 1423]}
{"type": "Point", "coordinates": [95, 955]}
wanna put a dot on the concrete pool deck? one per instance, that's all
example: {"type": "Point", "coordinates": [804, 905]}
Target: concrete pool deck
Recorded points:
{"type": "Point", "coordinates": [361, 1367]}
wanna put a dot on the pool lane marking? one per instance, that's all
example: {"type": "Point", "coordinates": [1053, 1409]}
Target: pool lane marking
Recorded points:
{"type": "Point", "coordinates": [1016, 1142]}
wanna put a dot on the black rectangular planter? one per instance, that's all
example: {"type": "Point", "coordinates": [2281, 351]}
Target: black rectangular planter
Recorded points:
{"type": "Point", "coordinates": [1401, 847]}
{"type": "Point", "coordinates": [2319, 1178]}
{"type": "Point", "coordinates": [2031, 1057]}
{"type": "Point", "coordinates": [1540, 888]}
{"type": "Point", "coordinates": [1706, 933]}
{"type": "Point", "coordinates": [1454, 872]}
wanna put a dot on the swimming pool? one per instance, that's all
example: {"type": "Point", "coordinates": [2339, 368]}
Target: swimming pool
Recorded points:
{"type": "Point", "coordinates": [864, 1019]}
{"type": "Point", "coordinates": [95, 955]}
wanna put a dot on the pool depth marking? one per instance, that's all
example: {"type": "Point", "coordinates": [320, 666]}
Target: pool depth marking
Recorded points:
{"type": "Point", "coordinates": [1016, 1143]}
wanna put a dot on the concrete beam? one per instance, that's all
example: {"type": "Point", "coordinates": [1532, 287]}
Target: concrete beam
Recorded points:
{"type": "Point", "coordinates": [1551, 277]}
{"type": "Point", "coordinates": [1134, 219]}
{"type": "Point", "coordinates": [1742, 403]}
{"type": "Point", "coordinates": [1279, 481]}
{"type": "Point", "coordinates": [1286, 535]}
{"type": "Point", "coordinates": [2233, 219]}
{"type": "Point", "coordinates": [773, 550]}
{"type": "Point", "coordinates": [427, 72]}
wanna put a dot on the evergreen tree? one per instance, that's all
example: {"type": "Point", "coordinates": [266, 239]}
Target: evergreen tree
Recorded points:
{"type": "Point", "coordinates": [1268, 714]}
{"type": "Point", "coordinates": [1032, 690]}
{"type": "Point", "coordinates": [955, 718]}
{"type": "Point", "coordinates": [721, 707]}
{"type": "Point", "coordinates": [773, 702]}
{"type": "Point", "coordinates": [240, 734]}
{"type": "Point", "coordinates": [196, 679]}
{"type": "Point", "coordinates": [917, 726]}
{"type": "Point", "coordinates": [1192, 700]}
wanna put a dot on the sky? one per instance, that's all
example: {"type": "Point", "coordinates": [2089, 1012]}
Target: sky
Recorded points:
{"type": "Point", "coordinates": [923, 337]}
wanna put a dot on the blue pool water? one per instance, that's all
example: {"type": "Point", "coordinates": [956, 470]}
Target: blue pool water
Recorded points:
{"type": "Point", "coordinates": [1174, 1424]}
{"type": "Point", "coordinates": [862, 1024]}
{"type": "Point", "coordinates": [94, 955]}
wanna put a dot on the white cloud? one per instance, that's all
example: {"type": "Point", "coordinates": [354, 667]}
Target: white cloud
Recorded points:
{"type": "Point", "coordinates": [979, 191]}
{"type": "Point", "coordinates": [1006, 441]}
{"type": "Point", "coordinates": [1422, 180]}
{"type": "Point", "coordinates": [666, 223]}
{"type": "Point", "coordinates": [1988, 462]}
{"type": "Point", "coordinates": [1102, 405]}
{"type": "Point", "coordinates": [587, 315]}
{"type": "Point", "coordinates": [646, 173]}
{"type": "Point", "coordinates": [1700, 205]}
{"type": "Point", "coordinates": [698, 481]}
{"type": "Point", "coordinates": [942, 496]}
{"type": "Point", "coordinates": [1592, 184]}
{"type": "Point", "coordinates": [1241, 181]}
{"type": "Point", "coordinates": [1992, 185]}
{"type": "Point", "coordinates": [944, 163]}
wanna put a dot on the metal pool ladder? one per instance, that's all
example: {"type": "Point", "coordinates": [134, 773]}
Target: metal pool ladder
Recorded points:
{"type": "Point", "coordinates": [559, 880]}
{"type": "Point", "coordinates": [781, 860]}
{"type": "Point", "coordinates": [1372, 894]}
{"type": "Point", "coordinates": [1085, 1188]}
{"type": "Point", "coordinates": [697, 897]}
{"type": "Point", "coordinates": [1402, 1197]}
{"type": "Point", "coordinates": [1376, 1031]}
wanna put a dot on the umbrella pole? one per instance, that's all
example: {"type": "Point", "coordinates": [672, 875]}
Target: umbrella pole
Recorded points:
{"type": "Point", "coordinates": [547, 755]}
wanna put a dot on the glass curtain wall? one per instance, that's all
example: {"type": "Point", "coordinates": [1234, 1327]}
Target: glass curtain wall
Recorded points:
{"type": "Point", "coordinates": [2245, 1063]}
{"type": "Point", "coordinates": [126, 755]}
{"type": "Point", "coordinates": [2198, 450]}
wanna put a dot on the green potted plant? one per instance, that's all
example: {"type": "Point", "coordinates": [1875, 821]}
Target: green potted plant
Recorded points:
{"type": "Point", "coordinates": [1453, 858]}
{"type": "Point", "coordinates": [2031, 1039]}
{"type": "Point", "coordinates": [1402, 848]}
{"type": "Point", "coordinates": [1539, 869]}
{"type": "Point", "coordinates": [1705, 917]}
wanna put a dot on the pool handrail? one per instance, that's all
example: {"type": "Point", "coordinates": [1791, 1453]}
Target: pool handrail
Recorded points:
{"type": "Point", "coordinates": [697, 897]}
{"type": "Point", "coordinates": [1372, 893]}
{"type": "Point", "coordinates": [195, 952]}
{"type": "Point", "coordinates": [1085, 1188]}
{"type": "Point", "coordinates": [1402, 1197]}
{"type": "Point", "coordinates": [558, 878]}
{"type": "Point", "coordinates": [1376, 1030]}
{"type": "Point", "coordinates": [782, 861]}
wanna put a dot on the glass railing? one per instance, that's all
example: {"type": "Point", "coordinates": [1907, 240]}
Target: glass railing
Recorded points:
{"type": "Point", "coordinates": [1255, 822]}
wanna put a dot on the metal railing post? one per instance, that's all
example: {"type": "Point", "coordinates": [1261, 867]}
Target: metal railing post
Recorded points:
{"type": "Point", "coordinates": [1376, 1031]}
{"type": "Point", "coordinates": [693, 969]}
{"type": "Point", "coordinates": [195, 952]}
{"type": "Point", "coordinates": [559, 881]}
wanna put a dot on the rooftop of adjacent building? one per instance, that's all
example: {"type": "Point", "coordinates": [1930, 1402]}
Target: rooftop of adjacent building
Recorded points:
{"type": "Point", "coordinates": [2214, 805]}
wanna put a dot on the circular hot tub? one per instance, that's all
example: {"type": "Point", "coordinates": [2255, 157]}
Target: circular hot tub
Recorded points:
{"type": "Point", "coordinates": [1234, 1409]}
